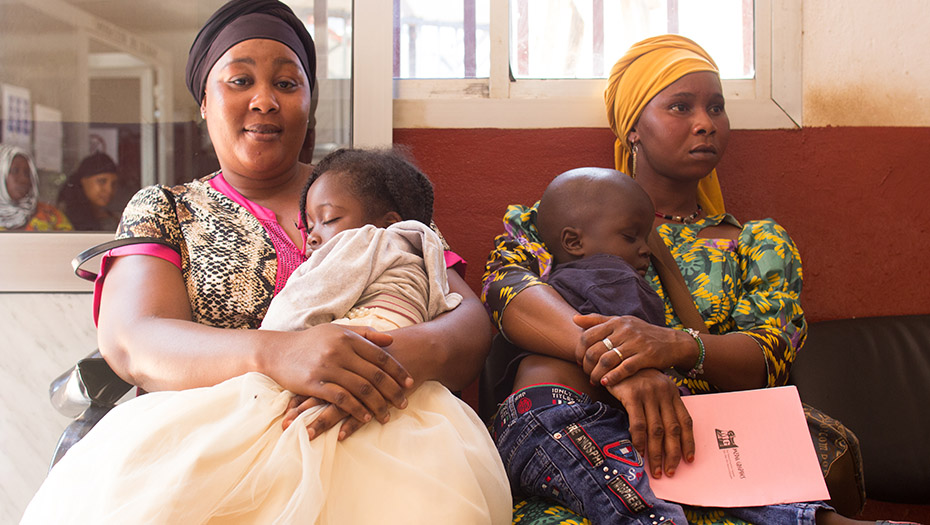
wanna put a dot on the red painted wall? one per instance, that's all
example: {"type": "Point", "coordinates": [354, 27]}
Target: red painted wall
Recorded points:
{"type": "Point", "coordinates": [855, 200]}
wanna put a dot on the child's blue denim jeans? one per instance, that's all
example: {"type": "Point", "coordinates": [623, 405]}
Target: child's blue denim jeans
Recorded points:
{"type": "Point", "coordinates": [556, 443]}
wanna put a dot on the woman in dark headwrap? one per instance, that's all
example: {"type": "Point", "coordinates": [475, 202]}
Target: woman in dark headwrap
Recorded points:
{"type": "Point", "coordinates": [178, 320]}
{"type": "Point", "coordinates": [87, 192]}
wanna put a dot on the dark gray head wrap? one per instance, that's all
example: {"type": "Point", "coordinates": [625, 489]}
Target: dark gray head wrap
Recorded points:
{"type": "Point", "coordinates": [240, 20]}
{"type": "Point", "coordinates": [94, 164]}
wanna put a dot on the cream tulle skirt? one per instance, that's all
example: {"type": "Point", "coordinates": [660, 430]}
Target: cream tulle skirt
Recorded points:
{"type": "Point", "coordinates": [219, 455]}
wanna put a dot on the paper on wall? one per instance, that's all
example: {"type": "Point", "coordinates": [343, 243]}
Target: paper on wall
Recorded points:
{"type": "Point", "coordinates": [48, 139]}
{"type": "Point", "coordinates": [17, 116]}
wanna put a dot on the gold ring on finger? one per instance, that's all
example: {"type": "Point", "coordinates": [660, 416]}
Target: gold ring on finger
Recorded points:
{"type": "Point", "coordinates": [619, 353]}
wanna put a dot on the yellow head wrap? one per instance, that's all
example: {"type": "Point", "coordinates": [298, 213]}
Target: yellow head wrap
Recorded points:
{"type": "Point", "coordinates": [646, 69]}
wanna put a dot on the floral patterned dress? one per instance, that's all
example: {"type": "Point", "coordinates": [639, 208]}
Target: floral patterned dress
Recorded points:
{"type": "Point", "coordinates": [45, 219]}
{"type": "Point", "coordinates": [751, 285]}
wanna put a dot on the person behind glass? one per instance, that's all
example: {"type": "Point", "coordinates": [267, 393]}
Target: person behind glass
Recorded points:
{"type": "Point", "coordinates": [88, 191]}
{"type": "Point", "coordinates": [20, 207]}
{"type": "Point", "coordinates": [373, 262]}
{"type": "Point", "coordinates": [178, 320]}
{"type": "Point", "coordinates": [595, 222]}
{"type": "Point", "coordinates": [666, 107]}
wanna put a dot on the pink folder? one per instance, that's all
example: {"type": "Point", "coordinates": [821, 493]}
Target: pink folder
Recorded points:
{"type": "Point", "coordinates": [752, 448]}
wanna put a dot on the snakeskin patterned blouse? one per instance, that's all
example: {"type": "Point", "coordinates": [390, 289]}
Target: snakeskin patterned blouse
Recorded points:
{"type": "Point", "coordinates": [751, 285]}
{"type": "Point", "coordinates": [228, 259]}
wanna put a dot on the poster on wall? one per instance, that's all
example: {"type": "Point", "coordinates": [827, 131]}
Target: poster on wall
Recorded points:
{"type": "Point", "coordinates": [104, 140]}
{"type": "Point", "coordinates": [17, 116]}
{"type": "Point", "coordinates": [48, 138]}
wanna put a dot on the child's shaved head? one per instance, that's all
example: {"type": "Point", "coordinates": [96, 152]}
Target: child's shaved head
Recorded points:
{"type": "Point", "coordinates": [578, 200]}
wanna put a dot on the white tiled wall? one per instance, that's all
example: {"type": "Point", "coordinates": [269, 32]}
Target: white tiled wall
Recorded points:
{"type": "Point", "coordinates": [41, 335]}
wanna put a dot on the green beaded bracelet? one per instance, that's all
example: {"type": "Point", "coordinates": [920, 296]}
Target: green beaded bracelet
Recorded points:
{"type": "Point", "coordinates": [699, 366]}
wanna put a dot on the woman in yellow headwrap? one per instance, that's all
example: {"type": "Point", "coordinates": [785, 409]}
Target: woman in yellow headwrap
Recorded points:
{"type": "Point", "coordinates": [666, 107]}
{"type": "Point", "coordinates": [648, 68]}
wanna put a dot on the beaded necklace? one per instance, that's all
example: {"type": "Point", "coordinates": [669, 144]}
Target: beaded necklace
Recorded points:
{"type": "Point", "coordinates": [678, 218]}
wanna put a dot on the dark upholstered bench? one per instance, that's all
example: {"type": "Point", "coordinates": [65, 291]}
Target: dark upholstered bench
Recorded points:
{"type": "Point", "coordinates": [873, 374]}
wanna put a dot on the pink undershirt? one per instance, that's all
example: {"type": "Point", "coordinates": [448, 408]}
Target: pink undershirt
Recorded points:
{"type": "Point", "coordinates": [289, 257]}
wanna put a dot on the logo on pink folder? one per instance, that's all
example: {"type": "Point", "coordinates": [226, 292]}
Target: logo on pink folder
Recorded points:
{"type": "Point", "coordinates": [726, 439]}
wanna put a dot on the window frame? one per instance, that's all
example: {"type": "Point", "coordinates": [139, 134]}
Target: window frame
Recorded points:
{"type": "Point", "coordinates": [41, 261]}
{"type": "Point", "coordinates": [772, 100]}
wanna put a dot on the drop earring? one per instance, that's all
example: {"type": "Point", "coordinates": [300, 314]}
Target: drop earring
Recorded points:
{"type": "Point", "coordinates": [635, 147]}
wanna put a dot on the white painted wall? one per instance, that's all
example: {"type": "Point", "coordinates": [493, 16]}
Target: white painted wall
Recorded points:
{"type": "Point", "coordinates": [41, 336]}
{"type": "Point", "coordinates": [866, 63]}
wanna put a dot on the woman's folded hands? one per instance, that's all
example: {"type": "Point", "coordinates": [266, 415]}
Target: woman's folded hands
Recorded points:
{"type": "Point", "coordinates": [635, 345]}
{"type": "Point", "coordinates": [346, 367]}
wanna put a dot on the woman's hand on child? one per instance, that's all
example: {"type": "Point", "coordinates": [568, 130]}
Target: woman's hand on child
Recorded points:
{"type": "Point", "coordinates": [634, 345]}
{"type": "Point", "coordinates": [345, 366]}
{"type": "Point", "coordinates": [660, 426]}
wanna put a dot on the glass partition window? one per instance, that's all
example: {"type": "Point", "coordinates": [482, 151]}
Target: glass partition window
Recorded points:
{"type": "Point", "coordinates": [99, 87]}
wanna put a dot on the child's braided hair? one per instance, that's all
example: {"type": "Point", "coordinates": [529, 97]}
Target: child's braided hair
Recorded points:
{"type": "Point", "coordinates": [383, 179]}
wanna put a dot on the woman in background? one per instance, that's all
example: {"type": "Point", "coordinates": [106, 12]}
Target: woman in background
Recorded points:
{"type": "Point", "coordinates": [87, 193]}
{"type": "Point", "coordinates": [20, 208]}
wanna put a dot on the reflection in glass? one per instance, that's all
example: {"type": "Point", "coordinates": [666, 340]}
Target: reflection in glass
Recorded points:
{"type": "Point", "coordinates": [583, 38]}
{"type": "Point", "coordinates": [20, 207]}
{"type": "Point", "coordinates": [86, 195]}
{"type": "Point", "coordinates": [80, 77]}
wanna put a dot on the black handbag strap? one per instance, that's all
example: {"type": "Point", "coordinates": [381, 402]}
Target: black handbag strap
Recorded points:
{"type": "Point", "coordinates": [674, 283]}
{"type": "Point", "coordinates": [94, 251]}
